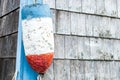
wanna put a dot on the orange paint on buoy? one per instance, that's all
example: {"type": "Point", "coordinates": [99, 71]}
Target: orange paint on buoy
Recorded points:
{"type": "Point", "coordinates": [40, 62]}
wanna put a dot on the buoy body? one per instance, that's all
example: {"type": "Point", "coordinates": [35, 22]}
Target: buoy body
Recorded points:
{"type": "Point", "coordinates": [38, 38]}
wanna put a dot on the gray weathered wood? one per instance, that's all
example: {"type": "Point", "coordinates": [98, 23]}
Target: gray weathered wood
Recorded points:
{"type": "Point", "coordinates": [61, 70]}
{"type": "Point", "coordinates": [89, 6]}
{"type": "Point", "coordinates": [102, 49]}
{"type": "Point", "coordinates": [8, 24]}
{"type": "Point", "coordinates": [62, 4]}
{"type": "Point", "coordinates": [71, 45]}
{"type": "Point", "coordinates": [100, 6]}
{"type": "Point", "coordinates": [49, 75]}
{"type": "Point", "coordinates": [54, 19]}
{"type": "Point", "coordinates": [7, 69]}
{"type": "Point", "coordinates": [8, 46]}
{"type": "Point", "coordinates": [8, 5]}
{"type": "Point", "coordinates": [76, 6]}
{"type": "Point", "coordinates": [59, 46]}
{"type": "Point", "coordinates": [111, 7]}
{"type": "Point", "coordinates": [78, 24]}
{"type": "Point", "coordinates": [118, 7]}
{"type": "Point", "coordinates": [51, 3]}
{"type": "Point", "coordinates": [83, 48]}
{"type": "Point", "coordinates": [63, 22]}
{"type": "Point", "coordinates": [89, 25]}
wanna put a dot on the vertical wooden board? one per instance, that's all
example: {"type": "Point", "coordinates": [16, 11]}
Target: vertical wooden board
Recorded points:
{"type": "Point", "coordinates": [118, 7]}
{"type": "Point", "coordinates": [59, 46]}
{"type": "Point", "coordinates": [9, 5]}
{"type": "Point", "coordinates": [89, 25]}
{"type": "Point", "coordinates": [8, 48]}
{"type": "Point", "coordinates": [75, 5]}
{"type": "Point", "coordinates": [61, 70]}
{"type": "Point", "coordinates": [81, 71]}
{"type": "Point", "coordinates": [9, 69]}
{"type": "Point", "coordinates": [96, 47]}
{"type": "Point", "coordinates": [99, 70]}
{"type": "Point", "coordinates": [73, 69]}
{"type": "Point", "coordinates": [2, 68]}
{"type": "Point", "coordinates": [49, 75]}
{"type": "Point", "coordinates": [114, 70]}
{"type": "Point", "coordinates": [118, 71]}
{"type": "Point", "coordinates": [63, 22]}
{"type": "Point", "coordinates": [108, 49]}
{"type": "Point", "coordinates": [1, 45]}
{"type": "Point", "coordinates": [81, 25]}
{"type": "Point", "coordinates": [116, 45]}
{"type": "Point", "coordinates": [78, 24]}
{"type": "Point", "coordinates": [100, 7]}
{"type": "Point", "coordinates": [107, 71]}
{"type": "Point", "coordinates": [89, 6]}
{"type": "Point", "coordinates": [111, 8]}
{"type": "Point", "coordinates": [1, 27]}
{"type": "Point", "coordinates": [51, 3]}
{"type": "Point", "coordinates": [104, 29]}
{"type": "Point", "coordinates": [111, 28]}
{"type": "Point", "coordinates": [117, 31]}
{"type": "Point", "coordinates": [89, 70]}
{"type": "Point", "coordinates": [1, 5]}
{"type": "Point", "coordinates": [101, 49]}
{"type": "Point", "coordinates": [74, 23]}
{"type": "Point", "coordinates": [71, 47]}
{"type": "Point", "coordinates": [62, 4]}
{"type": "Point", "coordinates": [54, 20]}
{"type": "Point", "coordinates": [96, 25]}
{"type": "Point", "coordinates": [83, 48]}
{"type": "Point", "coordinates": [9, 23]}
{"type": "Point", "coordinates": [77, 70]}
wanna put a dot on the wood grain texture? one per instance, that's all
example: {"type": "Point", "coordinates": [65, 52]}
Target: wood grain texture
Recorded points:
{"type": "Point", "coordinates": [8, 24]}
{"type": "Point", "coordinates": [111, 7]}
{"type": "Point", "coordinates": [59, 46]}
{"type": "Point", "coordinates": [89, 6]}
{"type": "Point", "coordinates": [86, 70]}
{"type": "Point", "coordinates": [76, 6]}
{"type": "Point", "coordinates": [8, 46]}
{"type": "Point", "coordinates": [62, 4]}
{"type": "Point", "coordinates": [50, 2]}
{"type": "Point", "coordinates": [100, 7]}
{"type": "Point", "coordinates": [61, 70]}
{"type": "Point", "coordinates": [63, 22]}
{"type": "Point", "coordinates": [8, 6]}
{"type": "Point", "coordinates": [118, 7]}
{"type": "Point", "coordinates": [71, 45]}
{"type": "Point", "coordinates": [7, 69]}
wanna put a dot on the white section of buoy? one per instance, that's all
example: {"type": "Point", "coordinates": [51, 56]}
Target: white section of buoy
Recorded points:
{"type": "Point", "coordinates": [38, 35]}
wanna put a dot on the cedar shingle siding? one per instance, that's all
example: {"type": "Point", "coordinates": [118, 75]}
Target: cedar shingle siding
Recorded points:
{"type": "Point", "coordinates": [87, 39]}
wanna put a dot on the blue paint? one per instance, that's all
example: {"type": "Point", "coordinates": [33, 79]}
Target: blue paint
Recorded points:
{"type": "Point", "coordinates": [36, 10]}
{"type": "Point", "coordinates": [25, 72]}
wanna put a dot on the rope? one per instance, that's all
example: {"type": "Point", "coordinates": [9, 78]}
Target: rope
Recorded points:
{"type": "Point", "coordinates": [15, 75]}
{"type": "Point", "coordinates": [39, 77]}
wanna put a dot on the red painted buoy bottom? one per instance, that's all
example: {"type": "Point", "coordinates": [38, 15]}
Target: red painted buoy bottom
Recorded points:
{"type": "Point", "coordinates": [40, 62]}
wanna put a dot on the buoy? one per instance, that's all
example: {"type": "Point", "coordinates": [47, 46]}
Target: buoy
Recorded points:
{"type": "Point", "coordinates": [38, 39]}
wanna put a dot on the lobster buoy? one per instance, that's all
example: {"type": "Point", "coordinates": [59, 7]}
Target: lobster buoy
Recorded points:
{"type": "Point", "coordinates": [38, 39]}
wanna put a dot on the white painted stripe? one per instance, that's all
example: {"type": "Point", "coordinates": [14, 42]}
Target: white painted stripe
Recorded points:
{"type": "Point", "coordinates": [38, 35]}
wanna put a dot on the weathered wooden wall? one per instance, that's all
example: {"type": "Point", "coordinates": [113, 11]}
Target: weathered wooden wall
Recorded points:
{"type": "Point", "coordinates": [87, 39]}
{"type": "Point", "coordinates": [9, 11]}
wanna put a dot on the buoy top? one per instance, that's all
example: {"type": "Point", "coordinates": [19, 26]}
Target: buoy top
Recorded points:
{"type": "Point", "coordinates": [35, 10]}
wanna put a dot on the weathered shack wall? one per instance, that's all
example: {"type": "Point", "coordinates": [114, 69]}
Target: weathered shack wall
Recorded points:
{"type": "Point", "coordinates": [8, 37]}
{"type": "Point", "coordinates": [87, 40]}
